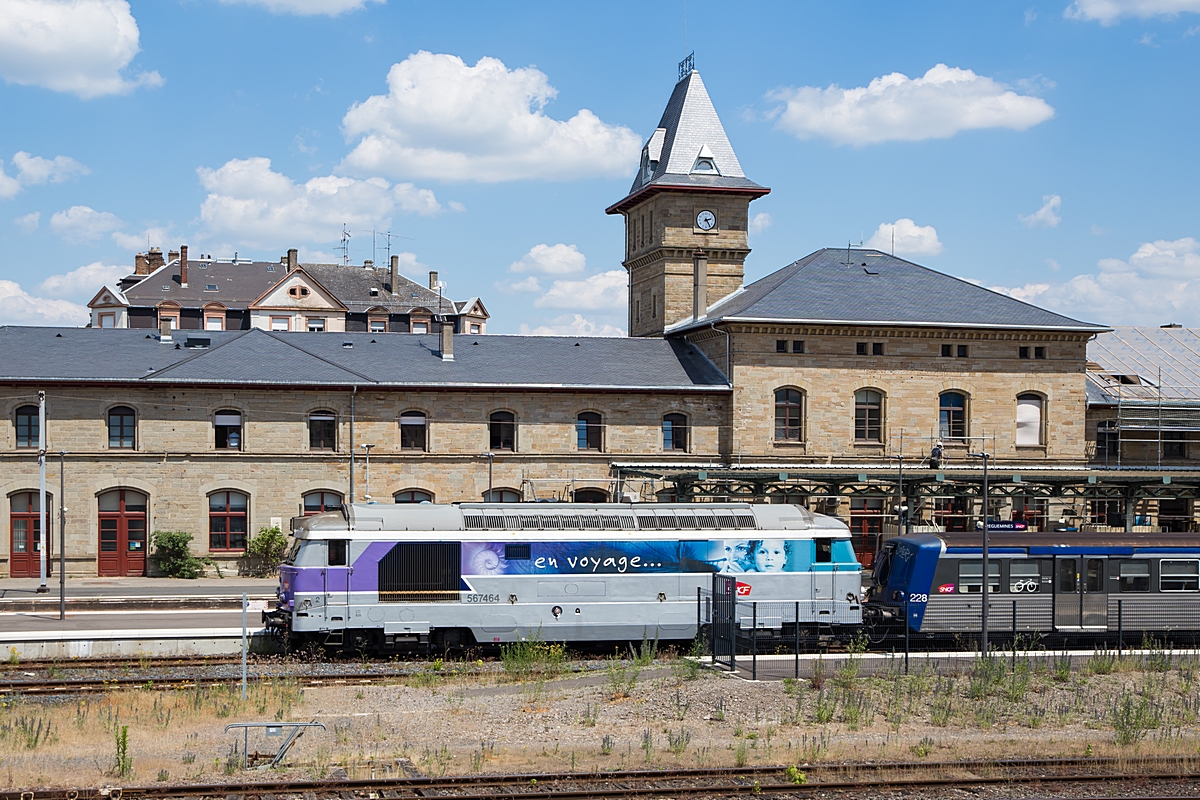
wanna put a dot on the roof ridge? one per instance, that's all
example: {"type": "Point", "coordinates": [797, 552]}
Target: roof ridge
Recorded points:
{"type": "Point", "coordinates": [192, 358]}
{"type": "Point", "coordinates": [321, 358]}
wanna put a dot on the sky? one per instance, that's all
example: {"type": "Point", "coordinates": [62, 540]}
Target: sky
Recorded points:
{"type": "Point", "coordinates": [1043, 149]}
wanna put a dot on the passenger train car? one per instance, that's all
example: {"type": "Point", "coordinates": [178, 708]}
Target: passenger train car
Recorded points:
{"type": "Point", "coordinates": [1065, 585]}
{"type": "Point", "coordinates": [419, 577]}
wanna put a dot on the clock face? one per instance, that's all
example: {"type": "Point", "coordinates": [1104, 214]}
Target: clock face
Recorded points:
{"type": "Point", "coordinates": [706, 220]}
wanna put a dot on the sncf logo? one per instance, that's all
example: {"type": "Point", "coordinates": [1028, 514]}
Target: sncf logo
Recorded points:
{"type": "Point", "coordinates": [743, 589]}
{"type": "Point", "coordinates": [946, 588]}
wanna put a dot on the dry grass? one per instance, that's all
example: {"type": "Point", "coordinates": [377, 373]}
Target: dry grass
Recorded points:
{"type": "Point", "coordinates": [444, 721]}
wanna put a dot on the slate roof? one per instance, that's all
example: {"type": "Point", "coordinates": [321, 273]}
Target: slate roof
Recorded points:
{"type": "Point", "coordinates": [240, 284]}
{"type": "Point", "coordinates": [689, 125]}
{"type": "Point", "coordinates": [384, 360]}
{"type": "Point", "coordinates": [1132, 362]}
{"type": "Point", "coordinates": [867, 287]}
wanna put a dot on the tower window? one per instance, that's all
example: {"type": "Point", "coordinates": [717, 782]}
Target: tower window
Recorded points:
{"type": "Point", "coordinates": [798, 346]}
{"type": "Point", "coordinates": [781, 346]}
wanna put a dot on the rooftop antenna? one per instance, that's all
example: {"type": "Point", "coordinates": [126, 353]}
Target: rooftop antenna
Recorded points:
{"type": "Point", "coordinates": [345, 245]}
{"type": "Point", "coordinates": [685, 41]}
{"type": "Point", "coordinates": [893, 240]}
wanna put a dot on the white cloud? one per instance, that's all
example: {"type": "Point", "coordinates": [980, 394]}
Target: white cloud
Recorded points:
{"type": "Point", "coordinates": [29, 222]}
{"type": "Point", "coordinates": [18, 307]}
{"type": "Point", "coordinates": [572, 325]}
{"type": "Point", "coordinates": [142, 241]}
{"type": "Point", "coordinates": [529, 284]}
{"type": "Point", "coordinates": [1053, 265]}
{"type": "Point", "coordinates": [1109, 12]}
{"type": "Point", "coordinates": [1047, 216]}
{"type": "Point", "coordinates": [557, 259]}
{"type": "Point", "coordinates": [82, 284]}
{"type": "Point", "coordinates": [1159, 283]}
{"type": "Point", "coordinates": [77, 46]}
{"type": "Point", "coordinates": [605, 290]}
{"type": "Point", "coordinates": [306, 8]}
{"type": "Point", "coordinates": [82, 223]}
{"type": "Point", "coordinates": [937, 105]}
{"type": "Point", "coordinates": [910, 238]}
{"type": "Point", "coordinates": [34, 170]}
{"type": "Point", "coordinates": [760, 222]}
{"type": "Point", "coordinates": [252, 204]}
{"type": "Point", "coordinates": [443, 119]}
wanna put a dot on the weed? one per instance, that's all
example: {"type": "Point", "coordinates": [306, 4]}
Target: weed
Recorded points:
{"type": "Point", "coordinates": [857, 709]}
{"type": "Point", "coordinates": [686, 669]}
{"type": "Point", "coordinates": [163, 776]}
{"type": "Point", "coordinates": [532, 656]}
{"type": "Point", "coordinates": [941, 709]}
{"type": "Point", "coordinates": [1102, 662]}
{"type": "Point", "coordinates": [740, 754]}
{"type": "Point", "coordinates": [122, 761]}
{"type": "Point", "coordinates": [1061, 669]}
{"type": "Point", "coordinates": [681, 706]}
{"type": "Point", "coordinates": [648, 743]}
{"type": "Point", "coordinates": [1133, 717]}
{"type": "Point", "coordinates": [1157, 657]}
{"type": "Point", "coordinates": [588, 718]}
{"type": "Point", "coordinates": [795, 776]}
{"type": "Point", "coordinates": [718, 713]}
{"type": "Point", "coordinates": [923, 747]}
{"type": "Point", "coordinates": [824, 707]}
{"type": "Point", "coordinates": [28, 732]}
{"type": "Point", "coordinates": [818, 674]}
{"type": "Point", "coordinates": [14, 656]}
{"type": "Point", "coordinates": [677, 742]}
{"type": "Point", "coordinates": [621, 678]}
{"type": "Point", "coordinates": [607, 744]}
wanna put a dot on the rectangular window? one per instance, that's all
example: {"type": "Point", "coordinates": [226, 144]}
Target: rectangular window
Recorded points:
{"type": "Point", "coordinates": [420, 327]}
{"type": "Point", "coordinates": [322, 432]}
{"type": "Point", "coordinates": [27, 426]}
{"type": "Point", "coordinates": [947, 350]}
{"type": "Point", "coordinates": [860, 348]}
{"type": "Point", "coordinates": [378, 326]}
{"type": "Point", "coordinates": [412, 431]}
{"type": "Point", "coordinates": [337, 552]}
{"type": "Point", "coordinates": [214, 323]}
{"type": "Point", "coordinates": [316, 324]}
{"type": "Point", "coordinates": [797, 345]}
{"type": "Point", "coordinates": [823, 553]}
{"type": "Point", "coordinates": [781, 345]}
{"type": "Point", "coordinates": [281, 323]}
{"type": "Point", "coordinates": [1039, 352]}
{"type": "Point", "coordinates": [1022, 352]}
{"type": "Point", "coordinates": [475, 327]}
{"type": "Point", "coordinates": [1174, 445]}
{"type": "Point", "coordinates": [970, 577]}
{"type": "Point", "coordinates": [1179, 576]}
{"type": "Point", "coordinates": [227, 427]}
{"type": "Point", "coordinates": [516, 552]}
{"type": "Point", "coordinates": [1024, 577]}
{"type": "Point", "coordinates": [962, 351]}
{"type": "Point", "coordinates": [675, 432]}
{"type": "Point", "coordinates": [108, 320]}
{"type": "Point", "coordinates": [877, 348]}
{"type": "Point", "coordinates": [1135, 576]}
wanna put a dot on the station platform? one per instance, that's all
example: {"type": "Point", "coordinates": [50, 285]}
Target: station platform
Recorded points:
{"type": "Point", "coordinates": [91, 593]}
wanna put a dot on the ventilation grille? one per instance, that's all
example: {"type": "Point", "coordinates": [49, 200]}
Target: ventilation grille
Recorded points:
{"type": "Point", "coordinates": [642, 520]}
{"type": "Point", "coordinates": [421, 573]}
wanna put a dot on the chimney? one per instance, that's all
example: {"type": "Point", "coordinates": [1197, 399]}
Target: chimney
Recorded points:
{"type": "Point", "coordinates": [433, 279]}
{"type": "Point", "coordinates": [155, 258]}
{"type": "Point", "coordinates": [293, 259]}
{"type": "Point", "coordinates": [140, 265]}
{"type": "Point", "coordinates": [699, 284]}
{"type": "Point", "coordinates": [164, 331]}
{"type": "Point", "coordinates": [183, 264]}
{"type": "Point", "coordinates": [172, 255]}
{"type": "Point", "coordinates": [447, 338]}
{"type": "Point", "coordinates": [395, 274]}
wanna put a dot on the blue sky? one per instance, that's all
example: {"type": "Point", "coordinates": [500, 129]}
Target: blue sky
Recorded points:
{"type": "Point", "coordinates": [1043, 149]}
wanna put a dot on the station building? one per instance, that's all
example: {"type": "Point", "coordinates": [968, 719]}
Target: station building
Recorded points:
{"type": "Point", "coordinates": [829, 382]}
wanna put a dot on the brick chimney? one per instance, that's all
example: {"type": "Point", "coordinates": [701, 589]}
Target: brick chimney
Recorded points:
{"type": "Point", "coordinates": [433, 279]}
{"type": "Point", "coordinates": [447, 338]}
{"type": "Point", "coordinates": [293, 259]}
{"type": "Point", "coordinates": [183, 264]}
{"type": "Point", "coordinates": [699, 284]}
{"type": "Point", "coordinates": [140, 265]}
{"type": "Point", "coordinates": [155, 258]}
{"type": "Point", "coordinates": [395, 274]}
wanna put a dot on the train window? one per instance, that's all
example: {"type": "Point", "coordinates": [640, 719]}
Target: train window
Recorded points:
{"type": "Point", "coordinates": [824, 551]}
{"type": "Point", "coordinates": [1094, 579]}
{"type": "Point", "coordinates": [1024, 577]}
{"type": "Point", "coordinates": [1135, 576]}
{"type": "Point", "coordinates": [1179, 576]}
{"type": "Point", "coordinates": [516, 552]}
{"type": "Point", "coordinates": [1068, 576]}
{"type": "Point", "coordinates": [970, 577]}
{"type": "Point", "coordinates": [337, 552]}
{"type": "Point", "coordinates": [293, 551]}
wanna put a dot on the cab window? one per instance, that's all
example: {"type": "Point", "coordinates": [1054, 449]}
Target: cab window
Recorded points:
{"type": "Point", "coordinates": [337, 552]}
{"type": "Point", "coordinates": [824, 552]}
{"type": "Point", "coordinates": [293, 551]}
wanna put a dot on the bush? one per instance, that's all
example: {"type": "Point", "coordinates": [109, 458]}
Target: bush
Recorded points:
{"type": "Point", "coordinates": [173, 555]}
{"type": "Point", "coordinates": [266, 551]}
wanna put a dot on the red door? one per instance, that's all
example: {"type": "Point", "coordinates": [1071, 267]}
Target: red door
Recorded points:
{"type": "Point", "coordinates": [24, 559]}
{"type": "Point", "coordinates": [122, 533]}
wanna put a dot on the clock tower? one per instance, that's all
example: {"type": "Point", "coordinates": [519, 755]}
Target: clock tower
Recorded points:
{"type": "Point", "coordinates": [685, 215]}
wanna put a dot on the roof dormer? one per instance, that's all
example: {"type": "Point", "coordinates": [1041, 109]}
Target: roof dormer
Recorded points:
{"type": "Point", "coordinates": [705, 163]}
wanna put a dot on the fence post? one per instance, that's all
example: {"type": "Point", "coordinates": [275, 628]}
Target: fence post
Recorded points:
{"type": "Point", "coordinates": [797, 657]}
{"type": "Point", "coordinates": [1120, 630]}
{"type": "Point", "coordinates": [906, 633]}
{"type": "Point", "coordinates": [698, 625]}
{"type": "Point", "coordinates": [754, 641]}
{"type": "Point", "coordinates": [1014, 639]}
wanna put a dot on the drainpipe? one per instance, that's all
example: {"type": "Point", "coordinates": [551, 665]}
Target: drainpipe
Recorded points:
{"type": "Point", "coordinates": [353, 392]}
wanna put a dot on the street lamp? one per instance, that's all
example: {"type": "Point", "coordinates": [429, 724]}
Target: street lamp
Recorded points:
{"type": "Point", "coordinates": [367, 449]}
{"type": "Point", "coordinates": [983, 616]}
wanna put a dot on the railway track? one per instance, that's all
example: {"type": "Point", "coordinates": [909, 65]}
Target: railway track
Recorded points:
{"type": "Point", "coordinates": [778, 780]}
{"type": "Point", "coordinates": [39, 688]}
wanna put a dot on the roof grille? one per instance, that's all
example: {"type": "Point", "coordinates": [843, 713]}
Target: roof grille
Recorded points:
{"type": "Point", "coordinates": [474, 522]}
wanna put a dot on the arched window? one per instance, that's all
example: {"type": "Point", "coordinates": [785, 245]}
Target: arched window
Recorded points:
{"type": "Point", "coordinates": [868, 416]}
{"type": "Point", "coordinates": [413, 496]}
{"type": "Point", "coordinates": [318, 502]}
{"type": "Point", "coordinates": [322, 430]}
{"type": "Point", "coordinates": [590, 496]}
{"type": "Point", "coordinates": [952, 415]}
{"type": "Point", "coordinates": [227, 520]}
{"type": "Point", "coordinates": [27, 426]}
{"type": "Point", "coordinates": [502, 431]}
{"type": "Point", "coordinates": [122, 526]}
{"type": "Point", "coordinates": [789, 415]}
{"type": "Point", "coordinates": [588, 427]}
{"type": "Point", "coordinates": [1029, 419]}
{"type": "Point", "coordinates": [412, 430]}
{"type": "Point", "coordinates": [675, 432]}
{"type": "Point", "coordinates": [227, 429]}
{"type": "Point", "coordinates": [502, 496]}
{"type": "Point", "coordinates": [122, 423]}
